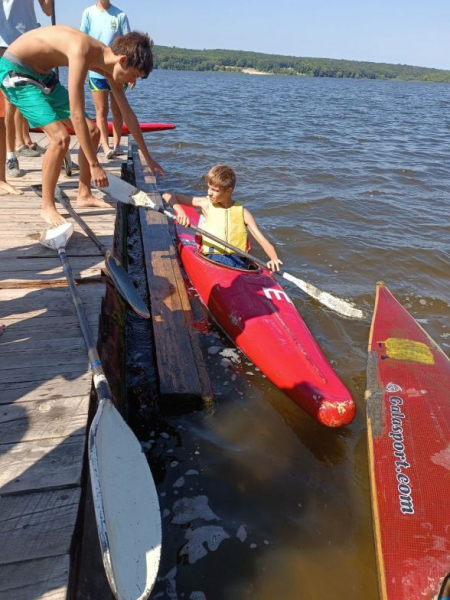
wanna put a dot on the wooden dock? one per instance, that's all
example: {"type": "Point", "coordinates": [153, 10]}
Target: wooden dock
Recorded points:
{"type": "Point", "coordinates": [48, 546]}
{"type": "Point", "coordinates": [45, 386]}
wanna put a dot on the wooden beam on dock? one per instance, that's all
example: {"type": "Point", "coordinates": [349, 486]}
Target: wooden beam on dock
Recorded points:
{"type": "Point", "coordinates": [182, 371]}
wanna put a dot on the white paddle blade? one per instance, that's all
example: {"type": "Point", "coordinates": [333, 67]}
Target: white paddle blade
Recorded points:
{"type": "Point", "coordinates": [56, 237]}
{"type": "Point", "coordinates": [126, 506]}
{"type": "Point", "coordinates": [337, 304]}
{"type": "Point", "coordinates": [124, 192]}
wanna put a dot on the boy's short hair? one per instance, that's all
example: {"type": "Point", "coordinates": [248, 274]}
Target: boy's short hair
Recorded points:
{"type": "Point", "coordinates": [221, 176]}
{"type": "Point", "coordinates": [137, 47]}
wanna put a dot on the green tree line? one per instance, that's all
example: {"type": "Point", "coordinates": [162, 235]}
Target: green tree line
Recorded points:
{"type": "Point", "coordinates": [182, 59]}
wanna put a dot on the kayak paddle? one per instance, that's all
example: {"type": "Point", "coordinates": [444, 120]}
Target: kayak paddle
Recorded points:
{"type": "Point", "coordinates": [117, 273]}
{"type": "Point", "coordinates": [128, 194]}
{"type": "Point", "coordinates": [125, 498]}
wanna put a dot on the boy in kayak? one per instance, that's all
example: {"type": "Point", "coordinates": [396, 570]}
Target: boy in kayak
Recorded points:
{"type": "Point", "coordinates": [224, 217]}
{"type": "Point", "coordinates": [27, 79]}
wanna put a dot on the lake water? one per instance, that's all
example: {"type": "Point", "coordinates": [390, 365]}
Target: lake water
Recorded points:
{"type": "Point", "coordinates": [350, 180]}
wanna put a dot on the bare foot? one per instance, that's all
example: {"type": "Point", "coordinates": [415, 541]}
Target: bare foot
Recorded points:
{"type": "Point", "coordinates": [6, 188]}
{"type": "Point", "coordinates": [52, 217]}
{"type": "Point", "coordinates": [92, 201]}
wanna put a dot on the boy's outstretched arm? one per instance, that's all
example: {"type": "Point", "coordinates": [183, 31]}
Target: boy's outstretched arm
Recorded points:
{"type": "Point", "coordinates": [274, 262]}
{"type": "Point", "coordinates": [77, 75]}
{"type": "Point", "coordinates": [177, 200]}
{"type": "Point", "coordinates": [133, 125]}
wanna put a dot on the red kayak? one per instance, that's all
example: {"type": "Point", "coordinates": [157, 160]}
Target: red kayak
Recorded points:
{"type": "Point", "coordinates": [260, 318]}
{"type": "Point", "coordinates": [408, 425]}
{"type": "Point", "coordinates": [145, 128]}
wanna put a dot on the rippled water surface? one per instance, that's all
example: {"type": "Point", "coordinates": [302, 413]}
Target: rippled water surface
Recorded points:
{"type": "Point", "coordinates": [350, 180]}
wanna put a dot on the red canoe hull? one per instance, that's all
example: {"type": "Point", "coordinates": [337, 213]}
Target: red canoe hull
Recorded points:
{"type": "Point", "coordinates": [259, 317]}
{"type": "Point", "coordinates": [145, 128]}
{"type": "Point", "coordinates": [408, 417]}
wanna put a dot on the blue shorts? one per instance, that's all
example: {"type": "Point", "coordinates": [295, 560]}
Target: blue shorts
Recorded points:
{"type": "Point", "coordinates": [99, 84]}
{"type": "Point", "coordinates": [229, 260]}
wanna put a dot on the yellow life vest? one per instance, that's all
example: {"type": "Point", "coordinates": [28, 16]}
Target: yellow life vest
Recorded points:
{"type": "Point", "coordinates": [227, 224]}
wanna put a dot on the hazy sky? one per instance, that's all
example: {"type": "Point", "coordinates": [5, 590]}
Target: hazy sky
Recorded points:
{"type": "Point", "coordinates": [394, 31]}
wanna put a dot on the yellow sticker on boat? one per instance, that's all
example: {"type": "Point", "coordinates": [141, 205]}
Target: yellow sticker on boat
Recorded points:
{"type": "Point", "coordinates": [401, 349]}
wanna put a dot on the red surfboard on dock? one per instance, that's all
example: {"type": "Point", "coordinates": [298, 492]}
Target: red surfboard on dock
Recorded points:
{"type": "Point", "coordinates": [145, 128]}
{"type": "Point", "coordinates": [408, 426]}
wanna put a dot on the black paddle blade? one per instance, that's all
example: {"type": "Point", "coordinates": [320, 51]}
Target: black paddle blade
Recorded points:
{"type": "Point", "coordinates": [123, 285]}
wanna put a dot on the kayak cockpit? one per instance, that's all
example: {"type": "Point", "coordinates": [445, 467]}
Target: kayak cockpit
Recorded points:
{"type": "Point", "coordinates": [252, 268]}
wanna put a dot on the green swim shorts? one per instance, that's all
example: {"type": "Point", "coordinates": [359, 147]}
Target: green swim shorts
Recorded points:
{"type": "Point", "coordinates": [37, 107]}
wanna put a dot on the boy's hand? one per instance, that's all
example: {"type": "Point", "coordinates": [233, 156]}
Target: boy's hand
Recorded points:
{"type": "Point", "coordinates": [274, 264]}
{"type": "Point", "coordinates": [182, 217]}
{"type": "Point", "coordinates": [99, 177]}
{"type": "Point", "coordinates": [155, 168]}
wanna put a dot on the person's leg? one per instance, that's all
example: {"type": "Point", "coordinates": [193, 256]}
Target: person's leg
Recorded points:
{"type": "Point", "coordinates": [12, 164]}
{"type": "Point", "coordinates": [101, 117]}
{"type": "Point", "coordinates": [5, 188]}
{"type": "Point", "coordinates": [23, 140]}
{"type": "Point", "coordinates": [59, 140]}
{"type": "Point", "coordinates": [18, 124]}
{"type": "Point", "coordinates": [85, 197]}
{"type": "Point", "coordinates": [10, 113]}
{"type": "Point", "coordinates": [117, 123]}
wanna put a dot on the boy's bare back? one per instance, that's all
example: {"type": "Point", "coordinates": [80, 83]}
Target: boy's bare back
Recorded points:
{"type": "Point", "coordinates": [48, 47]}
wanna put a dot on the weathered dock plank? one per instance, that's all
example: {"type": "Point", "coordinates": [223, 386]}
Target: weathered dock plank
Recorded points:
{"type": "Point", "coordinates": [181, 369]}
{"type": "Point", "coordinates": [41, 464]}
{"type": "Point", "coordinates": [43, 419]}
{"type": "Point", "coordinates": [37, 525]}
{"type": "Point", "coordinates": [44, 388]}
{"type": "Point", "coordinates": [44, 579]}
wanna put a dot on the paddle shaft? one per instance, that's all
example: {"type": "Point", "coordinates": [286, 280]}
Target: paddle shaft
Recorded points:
{"type": "Point", "coordinates": [84, 226]}
{"type": "Point", "coordinates": [235, 249]}
{"type": "Point", "coordinates": [125, 192]}
{"type": "Point", "coordinates": [340, 306]}
{"type": "Point", "coordinates": [117, 273]}
{"type": "Point", "coordinates": [101, 385]}
{"type": "Point", "coordinates": [101, 486]}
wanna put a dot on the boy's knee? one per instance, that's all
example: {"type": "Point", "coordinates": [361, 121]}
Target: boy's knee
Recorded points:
{"type": "Point", "coordinates": [61, 139]}
{"type": "Point", "coordinates": [94, 131]}
{"type": "Point", "coordinates": [92, 127]}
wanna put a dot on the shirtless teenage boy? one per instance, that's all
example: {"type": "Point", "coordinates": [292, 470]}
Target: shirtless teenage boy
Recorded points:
{"type": "Point", "coordinates": [26, 77]}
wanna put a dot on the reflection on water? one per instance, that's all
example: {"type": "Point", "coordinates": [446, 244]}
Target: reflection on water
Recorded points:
{"type": "Point", "coordinates": [350, 180]}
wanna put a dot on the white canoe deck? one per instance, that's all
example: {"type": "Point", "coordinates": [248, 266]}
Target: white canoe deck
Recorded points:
{"type": "Point", "coordinates": [45, 385]}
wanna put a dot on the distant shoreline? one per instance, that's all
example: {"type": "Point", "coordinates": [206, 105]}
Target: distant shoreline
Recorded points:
{"type": "Point", "coordinates": [256, 63]}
